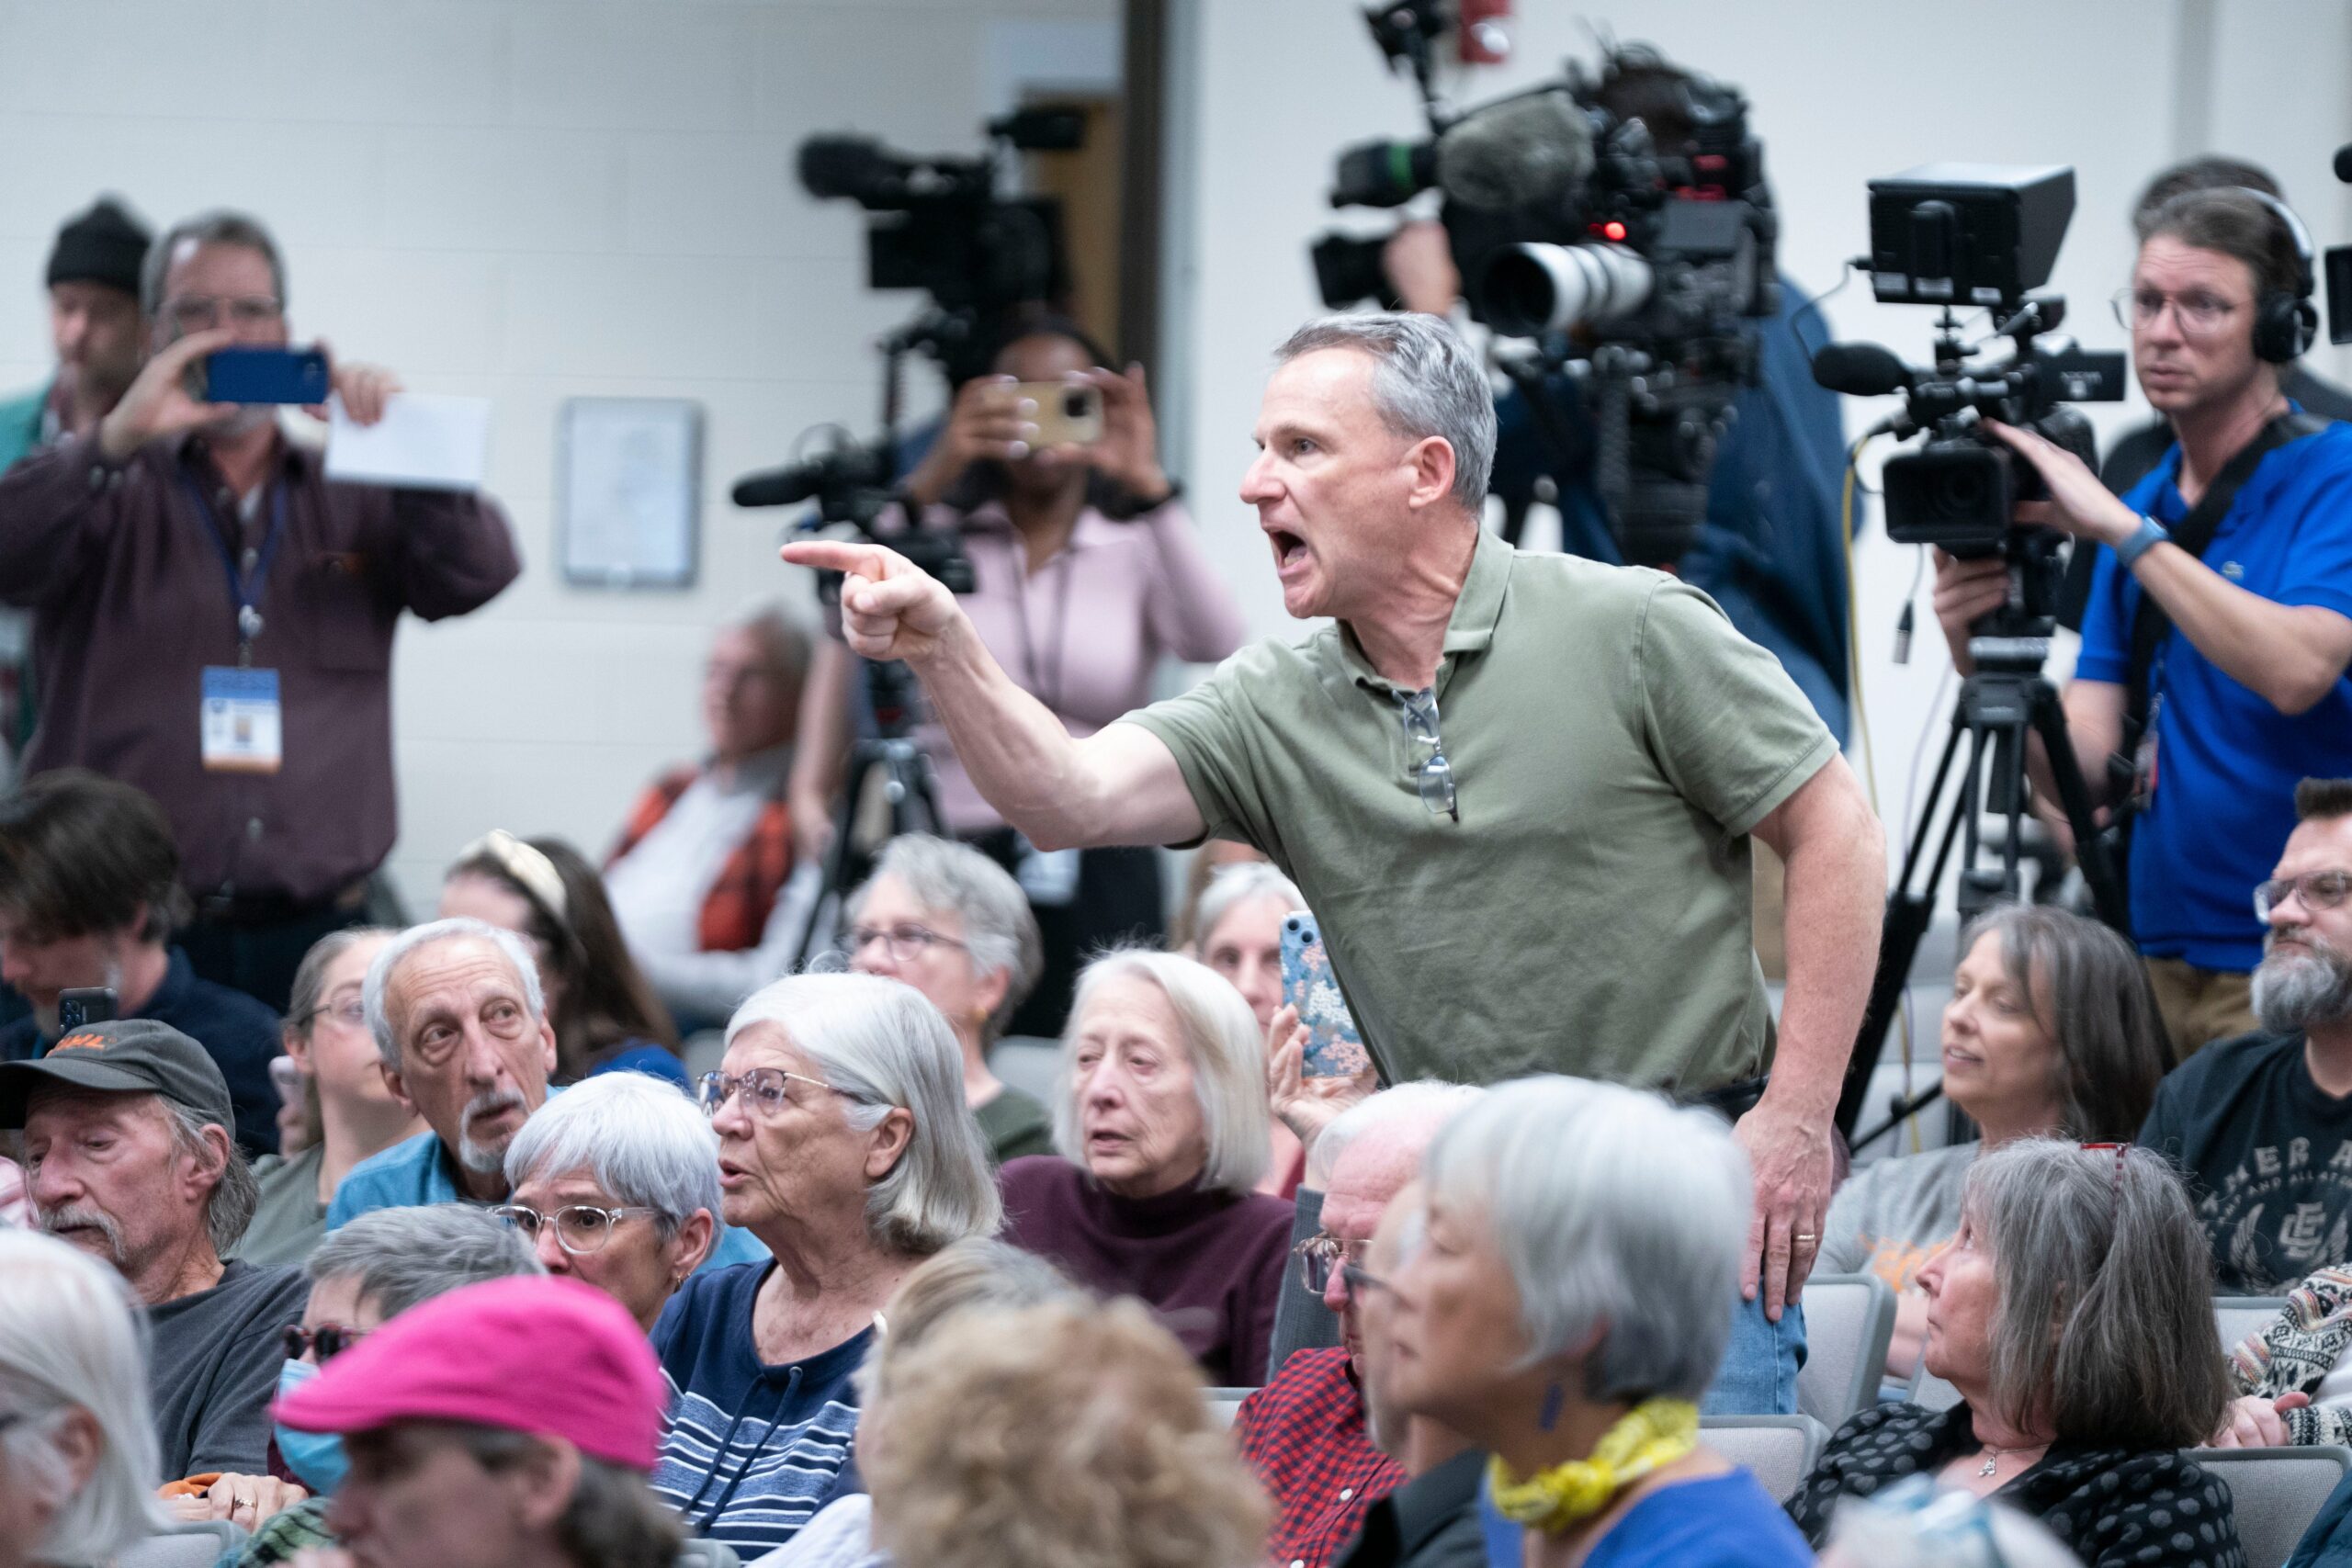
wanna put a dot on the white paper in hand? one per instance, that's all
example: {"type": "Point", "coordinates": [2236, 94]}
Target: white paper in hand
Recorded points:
{"type": "Point", "coordinates": [423, 443]}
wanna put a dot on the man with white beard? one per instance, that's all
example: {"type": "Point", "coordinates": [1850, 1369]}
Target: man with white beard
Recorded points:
{"type": "Point", "coordinates": [462, 1026]}
{"type": "Point", "coordinates": [129, 1157]}
{"type": "Point", "coordinates": [2262, 1125]}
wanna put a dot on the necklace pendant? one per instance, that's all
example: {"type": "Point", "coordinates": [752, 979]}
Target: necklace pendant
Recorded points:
{"type": "Point", "coordinates": [1992, 1465]}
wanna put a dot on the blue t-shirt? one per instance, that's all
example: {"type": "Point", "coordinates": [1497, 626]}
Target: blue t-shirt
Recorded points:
{"type": "Point", "coordinates": [1720, 1521]}
{"type": "Point", "coordinates": [752, 1451]}
{"type": "Point", "coordinates": [2227, 762]}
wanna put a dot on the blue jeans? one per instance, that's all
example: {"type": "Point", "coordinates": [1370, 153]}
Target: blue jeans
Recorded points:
{"type": "Point", "coordinates": [1760, 1371]}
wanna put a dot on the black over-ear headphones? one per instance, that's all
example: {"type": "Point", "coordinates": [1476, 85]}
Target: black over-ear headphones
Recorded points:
{"type": "Point", "coordinates": [2285, 324]}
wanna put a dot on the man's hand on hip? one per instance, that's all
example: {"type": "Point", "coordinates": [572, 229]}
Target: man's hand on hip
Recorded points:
{"type": "Point", "coordinates": [891, 608]}
{"type": "Point", "coordinates": [1789, 1157]}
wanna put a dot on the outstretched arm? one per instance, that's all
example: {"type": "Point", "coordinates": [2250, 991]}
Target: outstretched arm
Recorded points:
{"type": "Point", "coordinates": [1120, 786]}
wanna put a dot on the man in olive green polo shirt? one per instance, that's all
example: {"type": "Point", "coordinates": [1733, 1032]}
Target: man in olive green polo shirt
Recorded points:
{"type": "Point", "coordinates": [1517, 789]}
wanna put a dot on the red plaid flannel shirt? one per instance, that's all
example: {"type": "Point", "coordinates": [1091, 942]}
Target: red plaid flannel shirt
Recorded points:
{"type": "Point", "coordinates": [1304, 1435]}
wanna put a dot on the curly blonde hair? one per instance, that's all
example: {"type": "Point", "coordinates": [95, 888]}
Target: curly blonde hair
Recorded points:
{"type": "Point", "coordinates": [1062, 1436]}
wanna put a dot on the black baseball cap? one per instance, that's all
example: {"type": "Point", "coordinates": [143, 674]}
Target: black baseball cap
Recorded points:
{"type": "Point", "coordinates": [123, 1056]}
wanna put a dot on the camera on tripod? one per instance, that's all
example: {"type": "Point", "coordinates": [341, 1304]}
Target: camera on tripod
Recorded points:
{"type": "Point", "coordinates": [1955, 234]}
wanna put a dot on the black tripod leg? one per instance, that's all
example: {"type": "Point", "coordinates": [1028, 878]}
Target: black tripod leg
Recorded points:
{"type": "Point", "coordinates": [837, 857]}
{"type": "Point", "coordinates": [2100, 872]}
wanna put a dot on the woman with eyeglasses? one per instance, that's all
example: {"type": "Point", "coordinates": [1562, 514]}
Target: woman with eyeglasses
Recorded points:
{"type": "Point", "coordinates": [365, 1274]}
{"type": "Point", "coordinates": [953, 923]}
{"type": "Point", "coordinates": [348, 1109]}
{"type": "Point", "coordinates": [845, 1147]}
{"type": "Point", "coordinates": [605, 1015]}
{"type": "Point", "coordinates": [2073, 1313]}
{"type": "Point", "coordinates": [615, 1182]}
{"type": "Point", "coordinates": [1162, 1131]}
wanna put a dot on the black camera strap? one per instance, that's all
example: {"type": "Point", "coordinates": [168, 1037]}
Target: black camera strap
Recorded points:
{"type": "Point", "coordinates": [2150, 621]}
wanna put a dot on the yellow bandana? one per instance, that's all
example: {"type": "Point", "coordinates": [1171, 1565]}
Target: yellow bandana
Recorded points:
{"type": "Point", "coordinates": [1654, 1433]}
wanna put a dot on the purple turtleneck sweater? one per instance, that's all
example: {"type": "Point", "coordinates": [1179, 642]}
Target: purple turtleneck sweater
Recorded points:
{"type": "Point", "coordinates": [1209, 1263]}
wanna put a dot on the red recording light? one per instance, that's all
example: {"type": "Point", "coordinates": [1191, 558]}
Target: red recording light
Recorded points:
{"type": "Point", "coordinates": [1613, 229]}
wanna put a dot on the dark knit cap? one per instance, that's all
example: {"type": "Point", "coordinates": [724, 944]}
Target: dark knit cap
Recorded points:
{"type": "Point", "coordinates": [106, 245]}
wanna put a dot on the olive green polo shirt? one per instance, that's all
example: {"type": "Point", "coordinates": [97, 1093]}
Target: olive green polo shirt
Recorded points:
{"type": "Point", "coordinates": [1612, 740]}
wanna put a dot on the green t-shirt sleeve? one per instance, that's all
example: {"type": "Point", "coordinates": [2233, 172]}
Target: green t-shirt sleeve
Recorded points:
{"type": "Point", "coordinates": [1730, 731]}
{"type": "Point", "coordinates": [1208, 737]}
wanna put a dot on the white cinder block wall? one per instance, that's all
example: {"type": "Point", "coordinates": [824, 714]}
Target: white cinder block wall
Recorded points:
{"type": "Point", "coordinates": [531, 202]}
{"type": "Point", "coordinates": [1840, 91]}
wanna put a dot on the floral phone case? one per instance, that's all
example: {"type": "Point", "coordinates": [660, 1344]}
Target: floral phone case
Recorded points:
{"type": "Point", "coordinates": [1334, 1049]}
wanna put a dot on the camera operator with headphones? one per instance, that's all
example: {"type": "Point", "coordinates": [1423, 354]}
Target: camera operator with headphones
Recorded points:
{"type": "Point", "coordinates": [1088, 572]}
{"type": "Point", "coordinates": [2219, 620]}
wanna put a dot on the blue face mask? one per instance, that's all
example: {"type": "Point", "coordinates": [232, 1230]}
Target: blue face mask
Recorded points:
{"type": "Point", "coordinates": [315, 1457]}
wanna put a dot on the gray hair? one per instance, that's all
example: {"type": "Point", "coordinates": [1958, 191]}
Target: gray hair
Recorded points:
{"type": "Point", "coordinates": [978, 1273]}
{"type": "Point", "coordinates": [882, 1045]}
{"type": "Point", "coordinates": [1613, 1210]}
{"type": "Point", "coordinates": [999, 932]}
{"type": "Point", "coordinates": [1915, 1525]}
{"type": "Point", "coordinates": [71, 1337]}
{"type": "Point", "coordinates": [1219, 1037]}
{"type": "Point", "coordinates": [2105, 1280]}
{"type": "Point", "coordinates": [306, 997]}
{"type": "Point", "coordinates": [218, 227]}
{"type": "Point", "coordinates": [782, 633]}
{"type": "Point", "coordinates": [1244, 882]}
{"type": "Point", "coordinates": [376, 989]}
{"type": "Point", "coordinates": [229, 1207]}
{"type": "Point", "coordinates": [641, 1140]}
{"type": "Point", "coordinates": [1421, 1106]}
{"type": "Point", "coordinates": [397, 1257]}
{"type": "Point", "coordinates": [1425, 382]}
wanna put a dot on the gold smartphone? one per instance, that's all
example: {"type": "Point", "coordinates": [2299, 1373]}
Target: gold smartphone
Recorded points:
{"type": "Point", "coordinates": [1067, 414]}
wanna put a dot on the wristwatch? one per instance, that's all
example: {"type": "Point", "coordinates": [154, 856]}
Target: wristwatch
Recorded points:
{"type": "Point", "coordinates": [2144, 538]}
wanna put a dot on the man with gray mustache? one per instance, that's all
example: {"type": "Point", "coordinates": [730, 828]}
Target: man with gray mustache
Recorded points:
{"type": "Point", "coordinates": [462, 1027]}
{"type": "Point", "coordinates": [2262, 1125]}
{"type": "Point", "coordinates": [130, 1155]}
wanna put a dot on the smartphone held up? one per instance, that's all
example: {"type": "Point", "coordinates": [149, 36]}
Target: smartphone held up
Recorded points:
{"type": "Point", "coordinates": [1334, 1049]}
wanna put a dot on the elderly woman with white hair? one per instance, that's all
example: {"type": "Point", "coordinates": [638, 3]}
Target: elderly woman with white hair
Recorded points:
{"type": "Point", "coordinates": [1564, 1302]}
{"type": "Point", "coordinates": [844, 1145]}
{"type": "Point", "coordinates": [953, 923]}
{"type": "Point", "coordinates": [1162, 1128]}
{"type": "Point", "coordinates": [615, 1182]}
{"type": "Point", "coordinates": [78, 1457]}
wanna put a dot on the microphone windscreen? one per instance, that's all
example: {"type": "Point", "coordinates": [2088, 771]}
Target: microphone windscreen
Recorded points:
{"type": "Point", "coordinates": [1860, 369]}
{"type": "Point", "coordinates": [1534, 148]}
{"type": "Point", "coordinates": [2344, 162]}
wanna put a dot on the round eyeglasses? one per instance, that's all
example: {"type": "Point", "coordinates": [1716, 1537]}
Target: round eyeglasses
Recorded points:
{"type": "Point", "coordinates": [580, 1228]}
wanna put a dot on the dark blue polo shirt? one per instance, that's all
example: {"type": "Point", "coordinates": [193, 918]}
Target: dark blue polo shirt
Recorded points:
{"type": "Point", "coordinates": [239, 1033]}
{"type": "Point", "coordinates": [2227, 762]}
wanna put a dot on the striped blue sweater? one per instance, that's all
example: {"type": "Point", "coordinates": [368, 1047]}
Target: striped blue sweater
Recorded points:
{"type": "Point", "coordinates": [752, 1451]}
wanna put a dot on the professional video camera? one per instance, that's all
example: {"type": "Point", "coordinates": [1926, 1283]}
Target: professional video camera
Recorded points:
{"type": "Point", "coordinates": [941, 226]}
{"type": "Point", "coordinates": [1961, 233]}
{"type": "Point", "coordinates": [1620, 222]}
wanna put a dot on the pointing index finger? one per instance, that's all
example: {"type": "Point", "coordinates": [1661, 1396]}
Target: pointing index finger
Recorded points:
{"type": "Point", "coordinates": [871, 562]}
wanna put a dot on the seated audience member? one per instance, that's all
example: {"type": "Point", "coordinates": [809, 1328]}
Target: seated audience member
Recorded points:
{"type": "Point", "coordinates": [2073, 1311]}
{"type": "Point", "coordinates": [1303, 1435]}
{"type": "Point", "coordinates": [89, 895]}
{"type": "Point", "coordinates": [2262, 1125]}
{"type": "Point", "coordinates": [845, 1147]}
{"type": "Point", "coordinates": [697, 878]}
{"type": "Point", "coordinates": [615, 1182]}
{"type": "Point", "coordinates": [502, 1424]}
{"type": "Point", "coordinates": [1237, 922]}
{"type": "Point", "coordinates": [77, 1441]}
{"type": "Point", "coordinates": [1430, 1518]}
{"type": "Point", "coordinates": [2290, 1381]}
{"type": "Point", "coordinates": [127, 1143]}
{"type": "Point", "coordinates": [463, 1032]}
{"type": "Point", "coordinates": [974, 1275]}
{"type": "Point", "coordinates": [1087, 574]}
{"type": "Point", "coordinates": [1915, 1525]}
{"type": "Point", "coordinates": [1162, 1133]}
{"type": "Point", "coordinates": [1567, 1298]}
{"type": "Point", "coordinates": [2051, 1029]}
{"type": "Point", "coordinates": [370, 1271]}
{"type": "Point", "coordinates": [606, 1017]}
{"type": "Point", "coordinates": [1069, 1433]}
{"type": "Point", "coordinates": [1213, 856]}
{"type": "Point", "coordinates": [356, 1111]}
{"type": "Point", "coordinates": [953, 924]}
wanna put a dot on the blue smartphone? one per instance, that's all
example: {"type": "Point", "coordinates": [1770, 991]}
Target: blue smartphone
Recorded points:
{"type": "Point", "coordinates": [264, 376]}
{"type": "Point", "coordinates": [1334, 1049]}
